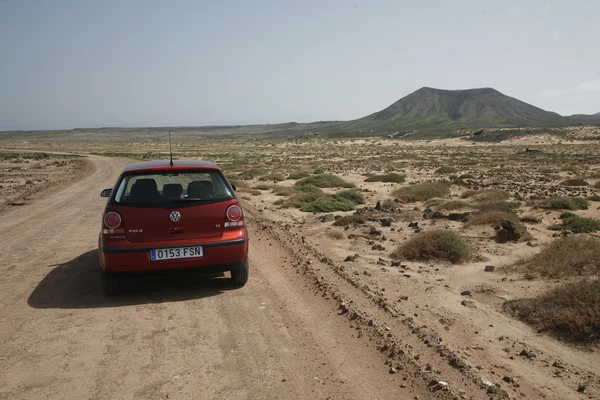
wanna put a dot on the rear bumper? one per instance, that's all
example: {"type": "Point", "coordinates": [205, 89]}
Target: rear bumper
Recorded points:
{"type": "Point", "coordinates": [217, 256]}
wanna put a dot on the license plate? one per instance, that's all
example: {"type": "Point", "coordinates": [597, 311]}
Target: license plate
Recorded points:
{"type": "Point", "coordinates": [176, 252]}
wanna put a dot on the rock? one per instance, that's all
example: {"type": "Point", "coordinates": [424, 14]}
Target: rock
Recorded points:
{"type": "Point", "coordinates": [413, 225]}
{"type": "Point", "coordinates": [352, 258]}
{"type": "Point", "coordinates": [396, 263]}
{"type": "Point", "coordinates": [386, 221]}
{"type": "Point", "coordinates": [393, 370]}
{"type": "Point", "coordinates": [496, 393]}
{"type": "Point", "coordinates": [367, 273]}
{"type": "Point", "coordinates": [468, 303]}
{"type": "Point", "coordinates": [378, 205]}
{"type": "Point", "coordinates": [434, 386]}
{"type": "Point", "coordinates": [486, 383]}
{"type": "Point", "coordinates": [509, 225]}
{"type": "Point", "coordinates": [558, 364]}
{"type": "Point", "coordinates": [465, 293]}
{"type": "Point", "coordinates": [489, 268]}
{"type": "Point", "coordinates": [29, 182]}
{"type": "Point", "coordinates": [377, 247]}
{"type": "Point", "coordinates": [328, 218]}
{"type": "Point", "coordinates": [381, 261]}
{"type": "Point", "coordinates": [581, 388]}
{"type": "Point", "coordinates": [374, 231]}
{"type": "Point", "coordinates": [461, 217]}
{"type": "Point", "coordinates": [528, 354]}
{"type": "Point", "coordinates": [508, 379]}
{"type": "Point", "coordinates": [532, 244]}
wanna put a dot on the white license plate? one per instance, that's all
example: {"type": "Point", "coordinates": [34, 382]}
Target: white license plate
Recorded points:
{"type": "Point", "coordinates": [176, 252]}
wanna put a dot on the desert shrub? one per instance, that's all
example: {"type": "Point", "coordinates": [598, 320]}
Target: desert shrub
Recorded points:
{"type": "Point", "coordinates": [251, 174]}
{"type": "Point", "coordinates": [577, 224]}
{"type": "Point", "coordinates": [300, 199]}
{"type": "Point", "coordinates": [276, 177]}
{"type": "Point", "coordinates": [422, 191]}
{"type": "Point", "coordinates": [283, 190]}
{"type": "Point", "coordinates": [454, 205]}
{"type": "Point", "coordinates": [563, 257]}
{"type": "Point", "coordinates": [299, 175]}
{"type": "Point", "coordinates": [443, 245]}
{"type": "Point", "coordinates": [328, 204]}
{"type": "Point", "coordinates": [251, 191]}
{"type": "Point", "coordinates": [564, 203]}
{"type": "Point", "coordinates": [349, 220]}
{"type": "Point", "coordinates": [594, 175]}
{"type": "Point", "coordinates": [319, 171]}
{"type": "Point", "coordinates": [446, 170]}
{"type": "Point", "coordinates": [597, 185]}
{"type": "Point", "coordinates": [391, 177]}
{"type": "Point", "coordinates": [337, 235]}
{"type": "Point", "coordinates": [531, 219]}
{"type": "Point", "coordinates": [324, 181]}
{"type": "Point", "coordinates": [8, 156]}
{"type": "Point", "coordinates": [503, 206]}
{"type": "Point", "coordinates": [594, 198]}
{"type": "Point", "coordinates": [574, 182]}
{"type": "Point", "coordinates": [262, 186]}
{"type": "Point", "coordinates": [491, 217]}
{"type": "Point", "coordinates": [570, 311]}
{"type": "Point", "coordinates": [466, 176]}
{"type": "Point", "coordinates": [486, 195]}
{"type": "Point", "coordinates": [308, 188]}
{"type": "Point", "coordinates": [352, 195]}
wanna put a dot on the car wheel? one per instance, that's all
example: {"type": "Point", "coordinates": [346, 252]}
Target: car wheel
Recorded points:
{"type": "Point", "coordinates": [239, 275]}
{"type": "Point", "coordinates": [111, 286]}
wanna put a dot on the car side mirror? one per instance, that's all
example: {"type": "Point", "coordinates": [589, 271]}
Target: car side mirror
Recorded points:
{"type": "Point", "coordinates": [106, 192]}
{"type": "Point", "coordinates": [233, 187]}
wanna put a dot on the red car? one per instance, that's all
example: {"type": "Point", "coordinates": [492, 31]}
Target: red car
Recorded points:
{"type": "Point", "coordinates": [167, 216]}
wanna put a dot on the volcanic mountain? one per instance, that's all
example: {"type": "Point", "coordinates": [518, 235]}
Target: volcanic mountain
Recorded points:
{"type": "Point", "coordinates": [437, 108]}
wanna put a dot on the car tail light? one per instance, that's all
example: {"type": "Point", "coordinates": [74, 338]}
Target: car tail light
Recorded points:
{"type": "Point", "coordinates": [234, 216]}
{"type": "Point", "coordinates": [112, 223]}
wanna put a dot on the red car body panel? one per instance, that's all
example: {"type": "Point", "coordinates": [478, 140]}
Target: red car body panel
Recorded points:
{"type": "Point", "coordinates": [147, 228]}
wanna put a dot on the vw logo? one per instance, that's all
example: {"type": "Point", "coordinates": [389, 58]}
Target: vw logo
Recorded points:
{"type": "Point", "coordinates": [175, 216]}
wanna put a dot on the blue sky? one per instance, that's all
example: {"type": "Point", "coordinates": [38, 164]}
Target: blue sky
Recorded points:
{"type": "Point", "coordinates": [66, 64]}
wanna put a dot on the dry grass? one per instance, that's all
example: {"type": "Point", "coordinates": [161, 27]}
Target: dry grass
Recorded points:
{"type": "Point", "coordinates": [446, 170]}
{"type": "Point", "coordinates": [570, 312]}
{"type": "Point", "coordinates": [349, 220]}
{"type": "Point", "coordinates": [391, 177]}
{"type": "Point", "coordinates": [574, 182]}
{"type": "Point", "coordinates": [422, 191]}
{"type": "Point", "coordinates": [443, 245]}
{"type": "Point", "coordinates": [486, 195]}
{"type": "Point", "coordinates": [337, 235]}
{"type": "Point", "coordinates": [492, 217]}
{"type": "Point", "coordinates": [503, 206]}
{"type": "Point", "coordinates": [569, 256]}
{"type": "Point", "coordinates": [276, 177]}
{"type": "Point", "coordinates": [455, 205]}
{"type": "Point", "coordinates": [564, 203]}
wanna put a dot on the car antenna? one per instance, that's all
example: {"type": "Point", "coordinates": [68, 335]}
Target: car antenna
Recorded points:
{"type": "Point", "coordinates": [170, 150]}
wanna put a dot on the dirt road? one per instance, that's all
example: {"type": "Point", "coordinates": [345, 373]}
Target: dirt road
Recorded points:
{"type": "Point", "coordinates": [180, 338]}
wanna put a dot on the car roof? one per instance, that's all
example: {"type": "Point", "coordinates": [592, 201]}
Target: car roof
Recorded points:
{"type": "Point", "coordinates": [165, 165]}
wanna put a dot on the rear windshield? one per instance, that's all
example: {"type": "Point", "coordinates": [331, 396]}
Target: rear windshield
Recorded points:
{"type": "Point", "coordinates": [167, 188]}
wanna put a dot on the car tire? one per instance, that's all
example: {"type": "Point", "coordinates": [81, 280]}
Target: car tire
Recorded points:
{"type": "Point", "coordinates": [239, 275]}
{"type": "Point", "coordinates": [111, 286]}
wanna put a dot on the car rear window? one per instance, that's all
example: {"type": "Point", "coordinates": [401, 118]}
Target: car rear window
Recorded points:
{"type": "Point", "coordinates": [164, 189]}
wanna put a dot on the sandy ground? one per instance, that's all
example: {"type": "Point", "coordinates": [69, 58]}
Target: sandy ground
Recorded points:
{"type": "Point", "coordinates": [308, 324]}
{"type": "Point", "coordinates": [181, 338]}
